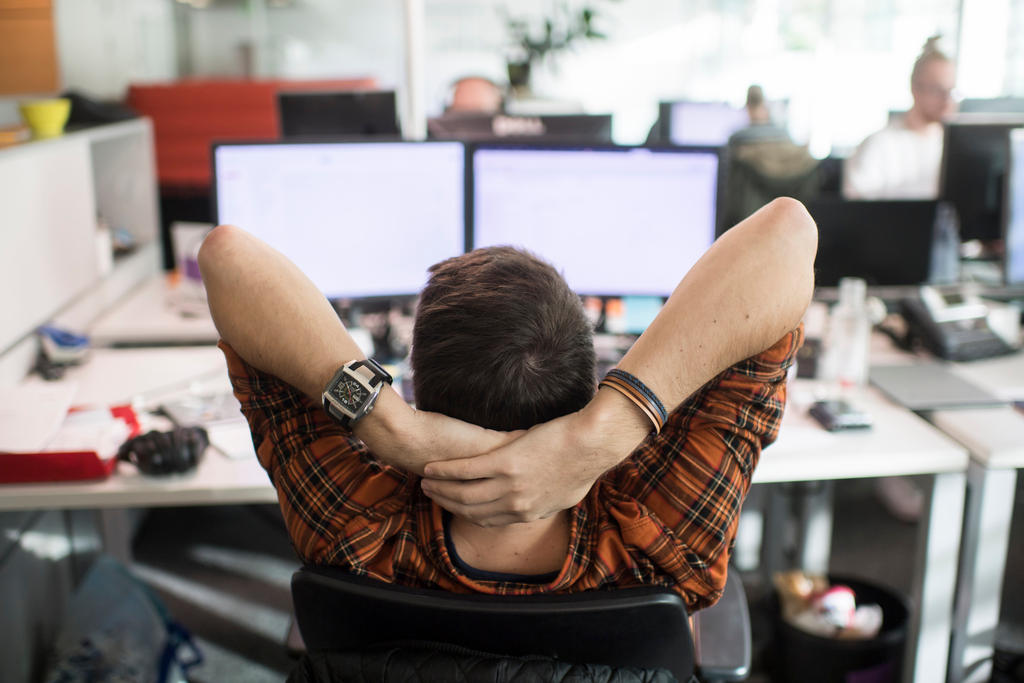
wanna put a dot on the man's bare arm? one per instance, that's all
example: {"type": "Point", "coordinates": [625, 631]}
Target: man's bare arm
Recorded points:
{"type": "Point", "coordinates": [743, 295]}
{"type": "Point", "coordinates": [275, 318]}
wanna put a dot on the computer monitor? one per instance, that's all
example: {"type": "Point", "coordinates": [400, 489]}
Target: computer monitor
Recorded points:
{"type": "Point", "coordinates": [887, 243]}
{"type": "Point", "coordinates": [337, 114]}
{"type": "Point", "coordinates": [973, 172]}
{"type": "Point", "coordinates": [700, 123]}
{"type": "Point", "coordinates": [993, 105]}
{"type": "Point", "coordinates": [561, 128]}
{"type": "Point", "coordinates": [361, 219]}
{"type": "Point", "coordinates": [615, 220]}
{"type": "Point", "coordinates": [1014, 256]}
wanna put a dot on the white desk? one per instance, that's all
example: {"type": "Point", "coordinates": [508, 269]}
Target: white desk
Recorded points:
{"type": "Point", "coordinates": [143, 377]}
{"type": "Point", "coordinates": [995, 439]}
{"type": "Point", "coordinates": [899, 444]}
{"type": "Point", "coordinates": [149, 316]}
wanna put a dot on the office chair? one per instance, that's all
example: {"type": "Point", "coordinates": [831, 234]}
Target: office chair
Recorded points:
{"type": "Point", "coordinates": [758, 172]}
{"type": "Point", "coordinates": [399, 633]}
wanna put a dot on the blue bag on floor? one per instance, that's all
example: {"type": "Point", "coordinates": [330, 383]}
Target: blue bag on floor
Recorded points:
{"type": "Point", "coordinates": [117, 631]}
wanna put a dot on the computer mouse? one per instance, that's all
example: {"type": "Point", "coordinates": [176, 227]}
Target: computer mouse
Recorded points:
{"type": "Point", "coordinates": [160, 453]}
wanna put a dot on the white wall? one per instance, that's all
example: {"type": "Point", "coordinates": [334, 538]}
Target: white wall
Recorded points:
{"type": "Point", "coordinates": [842, 65]}
{"type": "Point", "coordinates": [103, 45]}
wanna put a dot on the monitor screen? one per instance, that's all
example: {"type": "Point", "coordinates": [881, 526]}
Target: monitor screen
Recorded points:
{"type": "Point", "coordinates": [615, 221]}
{"type": "Point", "coordinates": [703, 123]}
{"type": "Point", "coordinates": [336, 114]}
{"type": "Point", "coordinates": [974, 173]}
{"type": "Point", "coordinates": [886, 243]}
{"type": "Point", "coordinates": [361, 219]}
{"type": "Point", "coordinates": [1015, 210]}
{"type": "Point", "coordinates": [564, 128]}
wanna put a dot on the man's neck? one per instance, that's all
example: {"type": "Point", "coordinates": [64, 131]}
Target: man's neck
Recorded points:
{"type": "Point", "coordinates": [526, 548]}
{"type": "Point", "coordinates": [917, 122]}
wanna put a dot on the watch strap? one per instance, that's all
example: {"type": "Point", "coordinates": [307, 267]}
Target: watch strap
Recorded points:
{"type": "Point", "coordinates": [370, 370]}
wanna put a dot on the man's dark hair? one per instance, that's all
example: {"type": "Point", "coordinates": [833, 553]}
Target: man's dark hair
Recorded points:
{"type": "Point", "coordinates": [501, 341]}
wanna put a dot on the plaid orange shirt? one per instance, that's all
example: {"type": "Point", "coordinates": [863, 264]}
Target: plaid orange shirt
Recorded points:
{"type": "Point", "coordinates": [667, 515]}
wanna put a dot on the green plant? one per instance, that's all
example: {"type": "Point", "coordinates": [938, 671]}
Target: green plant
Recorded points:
{"type": "Point", "coordinates": [563, 29]}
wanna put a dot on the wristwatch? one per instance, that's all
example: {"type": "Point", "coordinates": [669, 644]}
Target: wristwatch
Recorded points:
{"type": "Point", "coordinates": [353, 391]}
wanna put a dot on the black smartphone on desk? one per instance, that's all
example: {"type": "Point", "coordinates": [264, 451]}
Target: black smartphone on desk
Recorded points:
{"type": "Point", "coordinates": [838, 414]}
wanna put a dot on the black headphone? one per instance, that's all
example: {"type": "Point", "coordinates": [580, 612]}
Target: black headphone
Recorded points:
{"type": "Point", "coordinates": [157, 453]}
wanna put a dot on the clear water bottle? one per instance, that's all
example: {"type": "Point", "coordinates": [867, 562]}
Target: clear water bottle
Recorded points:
{"type": "Point", "coordinates": [849, 335]}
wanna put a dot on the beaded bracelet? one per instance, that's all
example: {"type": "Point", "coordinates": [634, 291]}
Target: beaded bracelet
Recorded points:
{"type": "Point", "coordinates": [637, 392]}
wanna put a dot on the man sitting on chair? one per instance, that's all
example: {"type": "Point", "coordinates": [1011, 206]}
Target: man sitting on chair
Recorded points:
{"type": "Point", "coordinates": [517, 474]}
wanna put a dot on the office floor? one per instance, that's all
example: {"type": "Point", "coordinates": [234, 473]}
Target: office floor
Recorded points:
{"type": "Point", "coordinates": [224, 573]}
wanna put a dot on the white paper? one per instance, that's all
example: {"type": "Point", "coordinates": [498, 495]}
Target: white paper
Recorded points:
{"type": "Point", "coordinates": [233, 439]}
{"type": "Point", "coordinates": [31, 415]}
{"type": "Point", "coordinates": [90, 430]}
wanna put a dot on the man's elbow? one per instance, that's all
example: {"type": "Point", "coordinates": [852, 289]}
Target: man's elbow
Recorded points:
{"type": "Point", "coordinates": [216, 247]}
{"type": "Point", "coordinates": [795, 231]}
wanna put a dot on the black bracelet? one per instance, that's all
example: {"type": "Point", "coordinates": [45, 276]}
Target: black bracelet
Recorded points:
{"type": "Point", "coordinates": [639, 393]}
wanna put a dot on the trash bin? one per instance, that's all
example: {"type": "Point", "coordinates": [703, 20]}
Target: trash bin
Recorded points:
{"type": "Point", "coordinates": [802, 657]}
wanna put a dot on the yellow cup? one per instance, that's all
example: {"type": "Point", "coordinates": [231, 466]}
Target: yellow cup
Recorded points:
{"type": "Point", "coordinates": [47, 117]}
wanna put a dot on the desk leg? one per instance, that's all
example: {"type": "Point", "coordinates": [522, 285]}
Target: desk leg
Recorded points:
{"type": "Point", "coordinates": [935, 567]}
{"type": "Point", "coordinates": [815, 528]}
{"type": "Point", "coordinates": [986, 539]}
{"type": "Point", "coordinates": [797, 528]}
{"type": "Point", "coordinates": [116, 533]}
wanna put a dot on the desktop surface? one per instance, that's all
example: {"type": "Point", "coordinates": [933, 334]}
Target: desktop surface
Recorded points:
{"type": "Point", "coordinates": [1014, 212]}
{"type": "Point", "coordinates": [887, 243]}
{"type": "Point", "coordinates": [615, 221]}
{"type": "Point", "coordinates": [701, 123]}
{"type": "Point", "coordinates": [326, 114]}
{"type": "Point", "coordinates": [561, 128]}
{"type": "Point", "coordinates": [974, 163]}
{"type": "Point", "coordinates": [361, 219]}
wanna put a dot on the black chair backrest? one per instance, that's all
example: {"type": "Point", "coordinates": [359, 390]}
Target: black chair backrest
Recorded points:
{"type": "Point", "coordinates": [644, 627]}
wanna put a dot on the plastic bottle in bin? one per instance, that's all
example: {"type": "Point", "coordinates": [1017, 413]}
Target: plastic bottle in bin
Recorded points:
{"type": "Point", "coordinates": [849, 335]}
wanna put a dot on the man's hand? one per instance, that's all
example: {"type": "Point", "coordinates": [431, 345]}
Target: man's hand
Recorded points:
{"type": "Point", "coordinates": [545, 470]}
{"type": "Point", "coordinates": [409, 439]}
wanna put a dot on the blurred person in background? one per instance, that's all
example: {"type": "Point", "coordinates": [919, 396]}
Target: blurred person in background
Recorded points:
{"type": "Point", "coordinates": [902, 160]}
{"type": "Point", "coordinates": [476, 95]}
{"type": "Point", "coordinates": [761, 127]}
{"type": "Point", "coordinates": [762, 163]}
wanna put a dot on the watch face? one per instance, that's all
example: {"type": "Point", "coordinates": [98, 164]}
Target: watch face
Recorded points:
{"type": "Point", "coordinates": [350, 393]}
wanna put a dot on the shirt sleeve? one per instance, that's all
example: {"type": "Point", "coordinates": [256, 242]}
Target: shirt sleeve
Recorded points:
{"type": "Point", "coordinates": [694, 475]}
{"type": "Point", "coordinates": [330, 488]}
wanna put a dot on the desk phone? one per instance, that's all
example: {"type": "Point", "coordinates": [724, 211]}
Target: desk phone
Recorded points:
{"type": "Point", "coordinates": [952, 325]}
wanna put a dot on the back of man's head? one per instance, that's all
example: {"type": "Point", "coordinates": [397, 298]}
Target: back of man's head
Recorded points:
{"type": "Point", "coordinates": [475, 95]}
{"type": "Point", "coordinates": [501, 341]}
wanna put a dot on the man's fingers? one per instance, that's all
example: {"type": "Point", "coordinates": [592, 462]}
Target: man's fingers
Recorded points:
{"type": "Point", "coordinates": [463, 469]}
{"type": "Point", "coordinates": [471, 493]}
{"type": "Point", "coordinates": [489, 514]}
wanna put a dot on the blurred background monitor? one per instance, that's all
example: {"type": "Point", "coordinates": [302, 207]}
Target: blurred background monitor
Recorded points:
{"type": "Point", "coordinates": [361, 219]}
{"type": "Point", "coordinates": [1015, 210]}
{"type": "Point", "coordinates": [993, 105]}
{"type": "Point", "coordinates": [700, 123]}
{"type": "Point", "coordinates": [973, 173]}
{"type": "Point", "coordinates": [616, 221]}
{"type": "Point", "coordinates": [887, 243]}
{"type": "Point", "coordinates": [545, 128]}
{"type": "Point", "coordinates": [337, 114]}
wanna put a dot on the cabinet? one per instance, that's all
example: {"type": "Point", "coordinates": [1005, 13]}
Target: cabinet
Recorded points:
{"type": "Point", "coordinates": [51, 194]}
